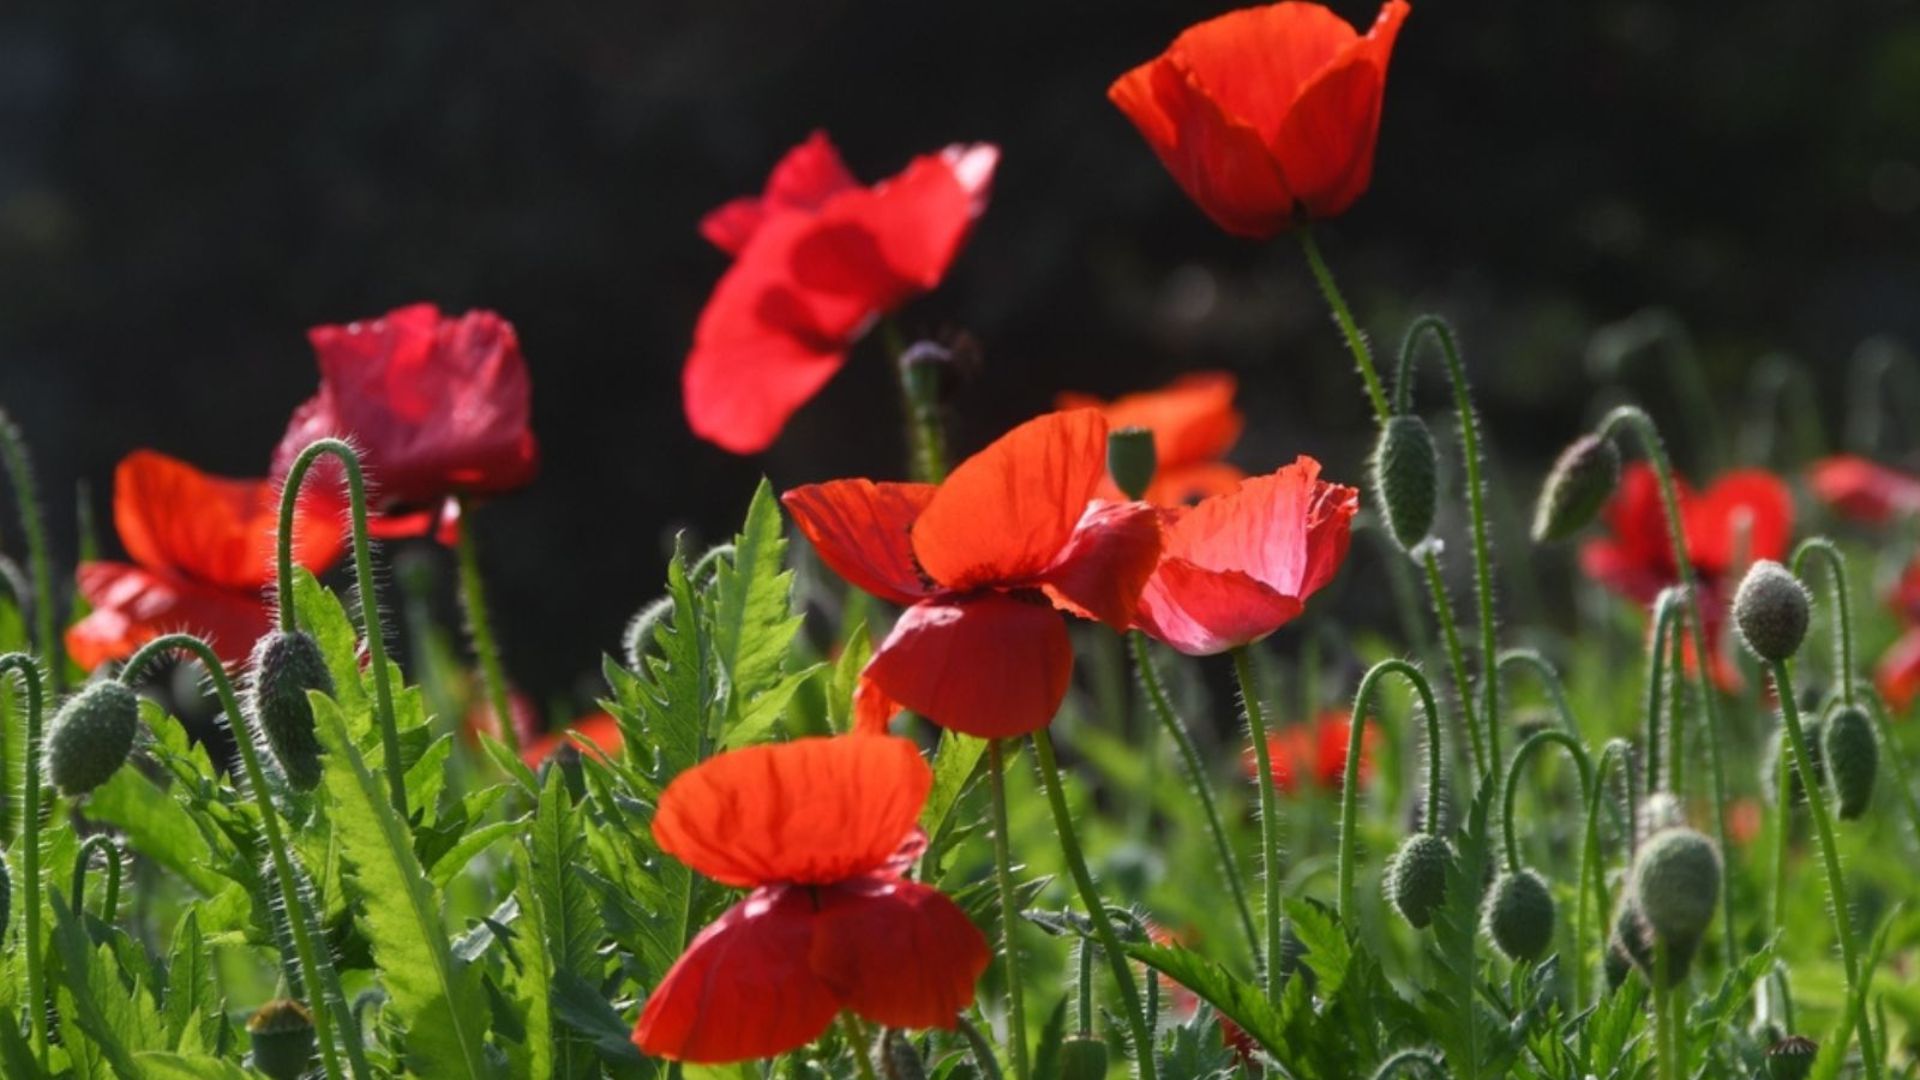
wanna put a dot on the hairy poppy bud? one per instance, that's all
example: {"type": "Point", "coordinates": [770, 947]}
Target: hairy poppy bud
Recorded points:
{"type": "Point", "coordinates": [282, 1037]}
{"type": "Point", "coordinates": [1676, 881]}
{"type": "Point", "coordinates": [285, 667]}
{"type": "Point", "coordinates": [1771, 610]}
{"type": "Point", "coordinates": [1579, 484]}
{"type": "Point", "coordinates": [1519, 915]}
{"type": "Point", "coordinates": [91, 736]}
{"type": "Point", "coordinates": [1814, 729]}
{"type": "Point", "coordinates": [1616, 964]}
{"type": "Point", "coordinates": [922, 369]}
{"type": "Point", "coordinates": [1852, 757]}
{"type": "Point", "coordinates": [1632, 941]}
{"type": "Point", "coordinates": [1417, 878]}
{"type": "Point", "coordinates": [1660, 810]}
{"type": "Point", "coordinates": [1791, 1058]}
{"type": "Point", "coordinates": [1406, 476]}
{"type": "Point", "coordinates": [1131, 460]}
{"type": "Point", "coordinates": [1083, 1058]}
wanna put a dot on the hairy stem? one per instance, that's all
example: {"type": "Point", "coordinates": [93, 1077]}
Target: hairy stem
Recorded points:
{"type": "Point", "coordinates": [1350, 786]}
{"type": "Point", "coordinates": [1009, 912]}
{"type": "Point", "coordinates": [473, 595]}
{"type": "Point", "coordinates": [1349, 329]}
{"type": "Point", "coordinates": [30, 678]}
{"type": "Point", "coordinates": [1456, 659]}
{"type": "Point", "coordinates": [26, 495]}
{"type": "Point", "coordinates": [1269, 816]}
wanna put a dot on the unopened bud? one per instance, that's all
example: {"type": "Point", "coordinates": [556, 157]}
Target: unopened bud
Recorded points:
{"type": "Point", "coordinates": [1676, 882]}
{"type": "Point", "coordinates": [1519, 915]}
{"type": "Point", "coordinates": [1083, 1057]}
{"type": "Point", "coordinates": [1406, 473]}
{"type": "Point", "coordinates": [1579, 484]}
{"type": "Point", "coordinates": [281, 1034]}
{"type": "Point", "coordinates": [286, 666]}
{"type": "Point", "coordinates": [1771, 610]}
{"type": "Point", "coordinates": [91, 736]}
{"type": "Point", "coordinates": [1131, 460]}
{"type": "Point", "coordinates": [1852, 758]}
{"type": "Point", "coordinates": [1417, 878]}
{"type": "Point", "coordinates": [1791, 1058]}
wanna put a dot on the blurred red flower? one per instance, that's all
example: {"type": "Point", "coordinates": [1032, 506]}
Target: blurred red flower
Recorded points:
{"type": "Point", "coordinates": [1236, 567]}
{"type": "Point", "coordinates": [480, 720]}
{"type": "Point", "coordinates": [1194, 424]}
{"type": "Point", "coordinates": [1313, 753]}
{"type": "Point", "coordinates": [821, 830]}
{"type": "Point", "coordinates": [1268, 115]}
{"type": "Point", "coordinates": [203, 552]}
{"type": "Point", "coordinates": [817, 258]}
{"type": "Point", "coordinates": [1750, 507]}
{"type": "Point", "coordinates": [1898, 673]}
{"type": "Point", "coordinates": [600, 730]}
{"type": "Point", "coordinates": [985, 563]}
{"type": "Point", "coordinates": [1864, 490]}
{"type": "Point", "coordinates": [438, 406]}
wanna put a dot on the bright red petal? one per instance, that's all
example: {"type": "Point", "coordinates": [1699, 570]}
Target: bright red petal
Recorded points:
{"type": "Point", "coordinates": [1636, 559]}
{"type": "Point", "coordinates": [989, 665]}
{"type": "Point", "coordinates": [1257, 61]}
{"type": "Point", "coordinates": [132, 606]}
{"type": "Point", "coordinates": [1189, 484]}
{"type": "Point", "coordinates": [899, 953]}
{"type": "Point", "coordinates": [1106, 563]}
{"type": "Point", "coordinates": [1898, 673]}
{"type": "Point", "coordinates": [862, 530]}
{"type": "Point", "coordinates": [1193, 418]}
{"type": "Point", "coordinates": [810, 174]}
{"type": "Point", "coordinates": [1864, 490]}
{"type": "Point", "coordinates": [812, 811]}
{"type": "Point", "coordinates": [873, 710]}
{"type": "Point", "coordinates": [1746, 512]}
{"type": "Point", "coordinates": [1288, 530]}
{"type": "Point", "coordinates": [601, 732]}
{"type": "Point", "coordinates": [1201, 612]}
{"type": "Point", "coordinates": [1325, 145]}
{"type": "Point", "coordinates": [173, 517]}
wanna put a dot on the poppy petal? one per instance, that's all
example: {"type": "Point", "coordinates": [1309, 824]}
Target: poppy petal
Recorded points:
{"type": "Point", "coordinates": [132, 606]}
{"type": "Point", "coordinates": [1188, 484]}
{"type": "Point", "coordinates": [899, 953]}
{"type": "Point", "coordinates": [1325, 145]}
{"type": "Point", "coordinates": [989, 665]}
{"type": "Point", "coordinates": [1257, 61]}
{"type": "Point", "coordinates": [1864, 490]}
{"type": "Point", "coordinates": [810, 174]}
{"type": "Point", "coordinates": [1898, 673]}
{"type": "Point", "coordinates": [1106, 563]}
{"type": "Point", "coordinates": [873, 710]}
{"type": "Point", "coordinates": [862, 531]}
{"type": "Point", "coordinates": [811, 811]}
{"type": "Point", "coordinates": [1746, 512]}
{"type": "Point", "coordinates": [173, 517]}
{"type": "Point", "coordinates": [1288, 530]}
{"type": "Point", "coordinates": [1193, 418]}
{"type": "Point", "coordinates": [1201, 612]}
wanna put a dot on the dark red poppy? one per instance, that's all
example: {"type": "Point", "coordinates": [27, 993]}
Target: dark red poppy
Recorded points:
{"type": "Point", "coordinates": [821, 830]}
{"type": "Point", "coordinates": [1194, 424]}
{"type": "Point", "coordinates": [1746, 515]}
{"type": "Point", "coordinates": [1236, 567]}
{"type": "Point", "coordinates": [601, 732]}
{"type": "Point", "coordinates": [1313, 753]}
{"type": "Point", "coordinates": [986, 562]}
{"type": "Point", "coordinates": [438, 406]}
{"type": "Point", "coordinates": [818, 258]}
{"type": "Point", "coordinates": [1266, 116]}
{"type": "Point", "coordinates": [1864, 490]}
{"type": "Point", "coordinates": [203, 550]}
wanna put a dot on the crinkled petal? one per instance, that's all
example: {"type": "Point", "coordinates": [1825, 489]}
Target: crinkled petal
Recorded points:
{"type": "Point", "coordinates": [1201, 612]}
{"type": "Point", "coordinates": [1106, 563]}
{"type": "Point", "coordinates": [989, 665]}
{"type": "Point", "coordinates": [1288, 530]}
{"type": "Point", "coordinates": [899, 953]}
{"type": "Point", "coordinates": [862, 530]}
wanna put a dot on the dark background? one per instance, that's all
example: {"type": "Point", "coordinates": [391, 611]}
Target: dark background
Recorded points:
{"type": "Point", "coordinates": [184, 188]}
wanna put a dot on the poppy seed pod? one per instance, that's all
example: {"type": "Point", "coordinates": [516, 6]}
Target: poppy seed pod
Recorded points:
{"type": "Point", "coordinates": [1132, 460]}
{"type": "Point", "coordinates": [286, 666]}
{"type": "Point", "coordinates": [1519, 915]}
{"type": "Point", "coordinates": [1771, 610]}
{"type": "Point", "coordinates": [91, 736]}
{"type": "Point", "coordinates": [1083, 1057]}
{"type": "Point", "coordinates": [1406, 476]}
{"type": "Point", "coordinates": [1578, 485]}
{"type": "Point", "coordinates": [1814, 729]}
{"type": "Point", "coordinates": [1852, 758]}
{"type": "Point", "coordinates": [281, 1034]}
{"type": "Point", "coordinates": [1791, 1058]}
{"type": "Point", "coordinates": [1417, 878]}
{"type": "Point", "coordinates": [1676, 881]}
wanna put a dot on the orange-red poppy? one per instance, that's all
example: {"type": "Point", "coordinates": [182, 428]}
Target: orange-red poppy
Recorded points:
{"type": "Point", "coordinates": [1194, 424]}
{"type": "Point", "coordinates": [1898, 673]}
{"type": "Point", "coordinates": [986, 562]}
{"type": "Point", "coordinates": [1236, 567]}
{"type": "Point", "coordinates": [601, 732]}
{"type": "Point", "coordinates": [1266, 116]}
{"type": "Point", "coordinates": [1313, 753]}
{"type": "Point", "coordinates": [821, 830]}
{"type": "Point", "coordinates": [817, 258]}
{"type": "Point", "coordinates": [1864, 490]}
{"type": "Point", "coordinates": [203, 550]}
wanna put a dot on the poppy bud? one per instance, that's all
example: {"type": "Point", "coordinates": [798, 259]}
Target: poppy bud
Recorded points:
{"type": "Point", "coordinates": [1814, 729]}
{"type": "Point", "coordinates": [286, 666]}
{"type": "Point", "coordinates": [1519, 915]}
{"type": "Point", "coordinates": [1083, 1057]}
{"type": "Point", "coordinates": [1632, 944]}
{"type": "Point", "coordinates": [1406, 476]}
{"type": "Point", "coordinates": [1417, 878]}
{"type": "Point", "coordinates": [1676, 881]}
{"type": "Point", "coordinates": [922, 367]}
{"type": "Point", "coordinates": [1791, 1058]}
{"type": "Point", "coordinates": [1616, 964]}
{"type": "Point", "coordinates": [1771, 610]}
{"type": "Point", "coordinates": [91, 736]}
{"type": "Point", "coordinates": [282, 1037]}
{"type": "Point", "coordinates": [1661, 810]}
{"type": "Point", "coordinates": [1579, 484]}
{"type": "Point", "coordinates": [1852, 757]}
{"type": "Point", "coordinates": [1131, 460]}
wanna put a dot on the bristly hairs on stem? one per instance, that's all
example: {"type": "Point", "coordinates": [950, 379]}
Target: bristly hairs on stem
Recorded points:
{"type": "Point", "coordinates": [1429, 556]}
{"type": "Point", "coordinates": [486, 646]}
{"type": "Point", "coordinates": [1667, 609]}
{"type": "Point", "coordinates": [31, 680]}
{"type": "Point", "coordinates": [1613, 345]}
{"type": "Point", "coordinates": [638, 635]}
{"type": "Point", "coordinates": [1826, 550]}
{"type": "Point", "coordinates": [26, 493]}
{"type": "Point", "coordinates": [1356, 339]}
{"type": "Point", "coordinates": [108, 850]}
{"type": "Point", "coordinates": [1350, 785]}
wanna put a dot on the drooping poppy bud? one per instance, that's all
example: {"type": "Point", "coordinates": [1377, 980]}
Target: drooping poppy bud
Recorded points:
{"type": "Point", "coordinates": [1771, 611]}
{"type": "Point", "coordinates": [1406, 472]}
{"type": "Point", "coordinates": [1579, 484]}
{"type": "Point", "coordinates": [91, 736]}
{"type": "Point", "coordinates": [1417, 878]}
{"type": "Point", "coordinates": [1632, 944]}
{"type": "Point", "coordinates": [1676, 881]}
{"type": "Point", "coordinates": [1791, 1058]}
{"type": "Point", "coordinates": [1814, 729]}
{"type": "Point", "coordinates": [1083, 1057]}
{"type": "Point", "coordinates": [1852, 758]}
{"type": "Point", "coordinates": [1519, 915]}
{"type": "Point", "coordinates": [1132, 460]}
{"type": "Point", "coordinates": [286, 666]}
{"type": "Point", "coordinates": [281, 1034]}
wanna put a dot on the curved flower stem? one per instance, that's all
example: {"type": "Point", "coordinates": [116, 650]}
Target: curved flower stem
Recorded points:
{"type": "Point", "coordinates": [1456, 658]}
{"type": "Point", "coordinates": [1636, 419]}
{"type": "Point", "coordinates": [1615, 750]}
{"type": "Point", "coordinates": [1549, 678]}
{"type": "Point", "coordinates": [920, 396]}
{"type": "Point", "coordinates": [473, 594]}
{"type": "Point", "coordinates": [1588, 791]}
{"type": "Point", "coordinates": [1350, 782]}
{"type": "Point", "coordinates": [1349, 329]}
{"type": "Point", "coordinates": [26, 495]}
{"type": "Point", "coordinates": [291, 897]}
{"type": "Point", "coordinates": [1202, 786]}
{"type": "Point", "coordinates": [1666, 609]}
{"type": "Point", "coordinates": [1269, 816]}
{"type": "Point", "coordinates": [110, 844]}
{"type": "Point", "coordinates": [1783, 773]}
{"type": "Point", "coordinates": [30, 677]}
{"type": "Point", "coordinates": [1096, 908]}
{"type": "Point", "coordinates": [1009, 912]}
{"type": "Point", "coordinates": [1842, 607]}
{"type": "Point", "coordinates": [369, 594]}
{"type": "Point", "coordinates": [1437, 327]}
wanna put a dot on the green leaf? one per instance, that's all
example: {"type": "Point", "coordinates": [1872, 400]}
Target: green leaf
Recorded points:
{"type": "Point", "coordinates": [191, 989]}
{"type": "Point", "coordinates": [158, 827]}
{"type": "Point", "coordinates": [323, 616]}
{"type": "Point", "coordinates": [1046, 1058]}
{"type": "Point", "coordinates": [116, 1022]}
{"type": "Point", "coordinates": [570, 925]}
{"type": "Point", "coordinates": [754, 624]}
{"type": "Point", "coordinates": [449, 865]}
{"type": "Point", "coordinates": [1327, 950]}
{"type": "Point", "coordinates": [532, 978]}
{"type": "Point", "coordinates": [160, 1065]}
{"type": "Point", "coordinates": [16, 1057]}
{"type": "Point", "coordinates": [955, 763]}
{"type": "Point", "coordinates": [1239, 1000]}
{"type": "Point", "coordinates": [1475, 1043]}
{"type": "Point", "coordinates": [584, 1009]}
{"type": "Point", "coordinates": [845, 679]}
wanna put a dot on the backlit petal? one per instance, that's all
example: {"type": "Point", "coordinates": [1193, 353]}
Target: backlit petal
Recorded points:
{"type": "Point", "coordinates": [862, 531]}
{"type": "Point", "coordinates": [1864, 490]}
{"type": "Point", "coordinates": [1193, 418]}
{"type": "Point", "coordinates": [990, 665]}
{"type": "Point", "coordinates": [1745, 512]}
{"type": "Point", "coordinates": [132, 606]}
{"type": "Point", "coordinates": [1106, 563]}
{"type": "Point", "coordinates": [1325, 145]}
{"type": "Point", "coordinates": [899, 953]}
{"type": "Point", "coordinates": [1201, 612]}
{"type": "Point", "coordinates": [810, 174]}
{"type": "Point", "coordinates": [173, 517]}
{"type": "Point", "coordinates": [1288, 530]}
{"type": "Point", "coordinates": [1898, 673]}
{"type": "Point", "coordinates": [1256, 61]}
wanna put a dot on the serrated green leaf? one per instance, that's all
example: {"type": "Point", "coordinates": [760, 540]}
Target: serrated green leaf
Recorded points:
{"type": "Point", "coordinates": [158, 827]}
{"type": "Point", "coordinates": [845, 679]}
{"type": "Point", "coordinates": [570, 925]}
{"type": "Point", "coordinates": [754, 624]}
{"type": "Point", "coordinates": [1053, 1034]}
{"type": "Point", "coordinates": [191, 989]}
{"type": "Point", "coordinates": [1328, 951]}
{"type": "Point", "coordinates": [162, 1065]}
{"type": "Point", "coordinates": [956, 761]}
{"type": "Point", "coordinates": [585, 1011]}
{"type": "Point", "coordinates": [323, 616]}
{"type": "Point", "coordinates": [1239, 1000]}
{"type": "Point", "coordinates": [117, 1023]}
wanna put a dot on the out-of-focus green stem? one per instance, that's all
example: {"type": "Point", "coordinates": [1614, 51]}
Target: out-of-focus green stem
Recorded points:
{"type": "Point", "coordinates": [473, 594]}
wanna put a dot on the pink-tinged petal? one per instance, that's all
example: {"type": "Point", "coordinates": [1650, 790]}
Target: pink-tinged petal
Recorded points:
{"type": "Point", "coordinates": [132, 606]}
{"type": "Point", "coordinates": [890, 242]}
{"type": "Point", "coordinates": [989, 665]}
{"type": "Point", "coordinates": [899, 953]}
{"type": "Point", "coordinates": [1864, 490]}
{"type": "Point", "coordinates": [1288, 530]}
{"type": "Point", "coordinates": [862, 530]}
{"type": "Point", "coordinates": [1106, 563]}
{"type": "Point", "coordinates": [1201, 612]}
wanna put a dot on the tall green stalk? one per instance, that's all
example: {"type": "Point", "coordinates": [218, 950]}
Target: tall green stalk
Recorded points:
{"type": "Point", "coordinates": [1350, 785]}
{"type": "Point", "coordinates": [30, 677]}
{"type": "Point", "coordinates": [1588, 791]}
{"type": "Point", "coordinates": [1456, 658]}
{"type": "Point", "coordinates": [1269, 816]}
{"type": "Point", "coordinates": [26, 495]}
{"type": "Point", "coordinates": [473, 596]}
{"type": "Point", "coordinates": [1349, 329]}
{"type": "Point", "coordinates": [1009, 912]}
{"type": "Point", "coordinates": [1666, 609]}
{"type": "Point", "coordinates": [1824, 549]}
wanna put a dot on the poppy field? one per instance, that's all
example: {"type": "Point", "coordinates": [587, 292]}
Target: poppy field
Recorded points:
{"type": "Point", "coordinates": [1071, 753]}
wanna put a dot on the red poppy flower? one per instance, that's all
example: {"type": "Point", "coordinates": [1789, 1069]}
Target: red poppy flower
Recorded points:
{"type": "Point", "coordinates": [1194, 424]}
{"type": "Point", "coordinates": [821, 831]}
{"type": "Point", "coordinates": [1898, 673]}
{"type": "Point", "coordinates": [1267, 115]}
{"type": "Point", "coordinates": [1864, 490]}
{"type": "Point", "coordinates": [1239, 566]}
{"type": "Point", "coordinates": [203, 549]}
{"type": "Point", "coordinates": [818, 258]}
{"type": "Point", "coordinates": [1746, 506]}
{"type": "Point", "coordinates": [480, 720]}
{"type": "Point", "coordinates": [986, 562]}
{"type": "Point", "coordinates": [438, 406]}
{"type": "Point", "coordinates": [599, 730]}
{"type": "Point", "coordinates": [1315, 753]}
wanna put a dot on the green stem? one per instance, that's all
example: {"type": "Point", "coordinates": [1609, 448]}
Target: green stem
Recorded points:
{"type": "Point", "coordinates": [473, 593]}
{"type": "Point", "coordinates": [1664, 1042]}
{"type": "Point", "coordinates": [1615, 750]}
{"type": "Point", "coordinates": [979, 1047]}
{"type": "Point", "coordinates": [26, 494]}
{"type": "Point", "coordinates": [1842, 607]}
{"type": "Point", "coordinates": [369, 593]}
{"type": "Point", "coordinates": [1350, 785]}
{"type": "Point", "coordinates": [1549, 678]}
{"type": "Point", "coordinates": [1349, 329]}
{"type": "Point", "coordinates": [30, 677]}
{"type": "Point", "coordinates": [854, 1032]}
{"type": "Point", "coordinates": [1009, 912]}
{"type": "Point", "coordinates": [1083, 986]}
{"type": "Point", "coordinates": [1176, 729]}
{"type": "Point", "coordinates": [1096, 908]}
{"type": "Point", "coordinates": [1269, 817]}
{"type": "Point", "coordinates": [1456, 658]}
{"type": "Point", "coordinates": [1666, 608]}
{"type": "Point", "coordinates": [1588, 790]}
{"type": "Point", "coordinates": [920, 396]}
{"type": "Point", "coordinates": [1782, 835]}
{"type": "Point", "coordinates": [291, 899]}
{"type": "Point", "coordinates": [1406, 1060]}
{"type": "Point", "coordinates": [98, 842]}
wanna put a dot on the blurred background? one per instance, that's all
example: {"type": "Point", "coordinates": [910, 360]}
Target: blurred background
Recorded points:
{"type": "Point", "coordinates": [186, 187]}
